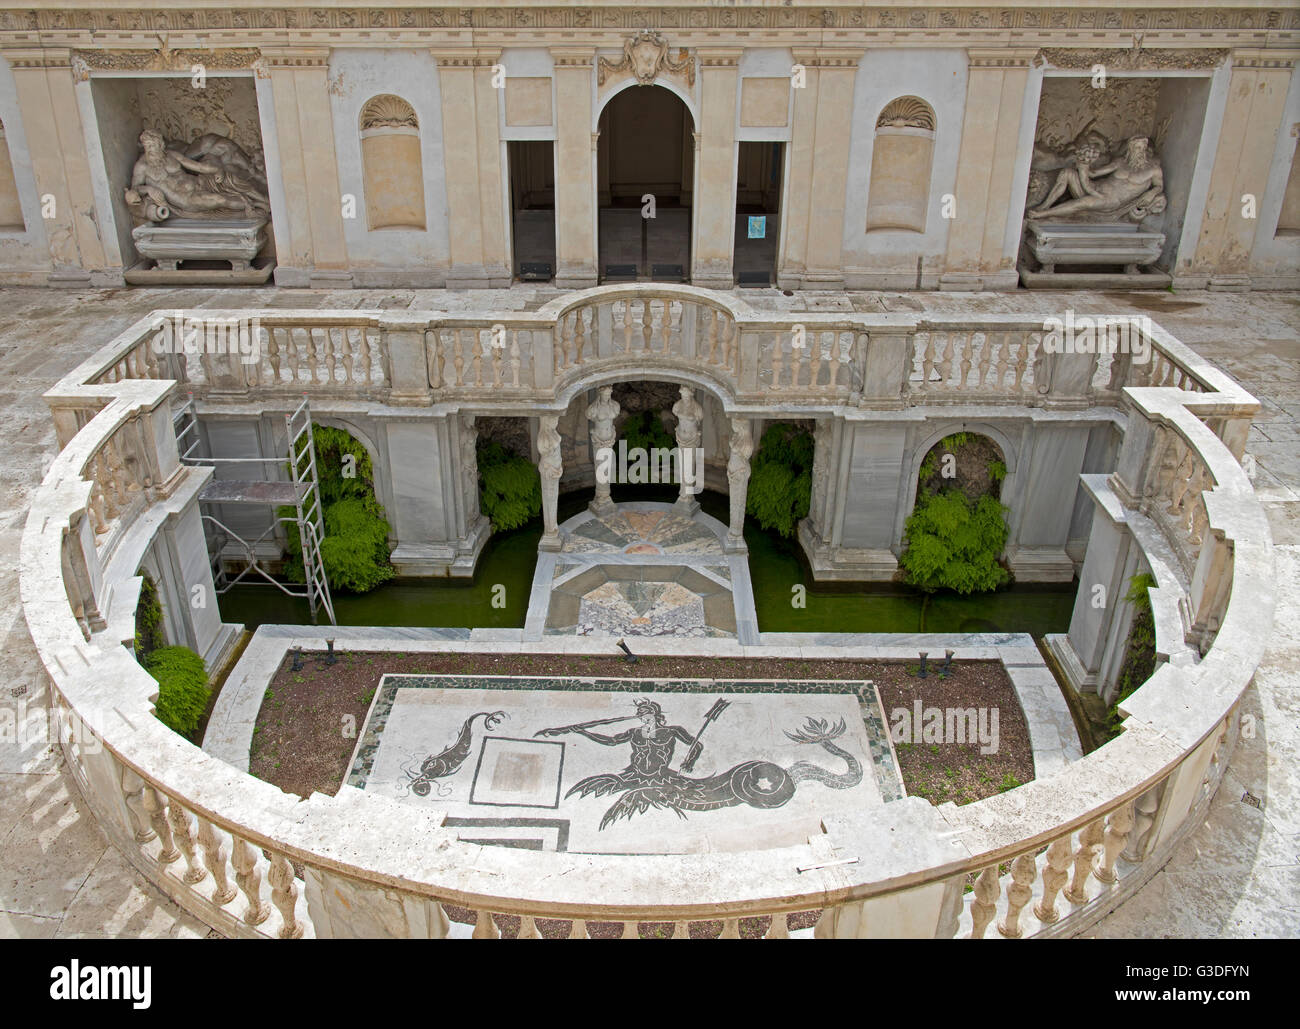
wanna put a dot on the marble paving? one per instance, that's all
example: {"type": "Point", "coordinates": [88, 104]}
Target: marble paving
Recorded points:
{"type": "Point", "coordinates": [627, 766]}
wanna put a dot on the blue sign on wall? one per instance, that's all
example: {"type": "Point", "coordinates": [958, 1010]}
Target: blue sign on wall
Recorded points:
{"type": "Point", "coordinates": [757, 226]}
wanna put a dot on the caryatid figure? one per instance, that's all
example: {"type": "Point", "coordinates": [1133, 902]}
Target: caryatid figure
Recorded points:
{"type": "Point", "coordinates": [601, 415]}
{"type": "Point", "coordinates": [550, 467]}
{"type": "Point", "coordinates": [689, 415]}
{"type": "Point", "coordinates": [742, 446]}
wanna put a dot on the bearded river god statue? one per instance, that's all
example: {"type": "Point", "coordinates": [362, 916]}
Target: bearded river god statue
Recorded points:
{"type": "Point", "coordinates": [202, 203]}
{"type": "Point", "coordinates": [213, 178]}
{"type": "Point", "coordinates": [1128, 188]}
{"type": "Point", "coordinates": [1086, 208]}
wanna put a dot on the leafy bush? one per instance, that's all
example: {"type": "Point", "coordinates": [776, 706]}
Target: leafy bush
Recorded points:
{"type": "Point", "coordinates": [646, 430]}
{"type": "Point", "coordinates": [354, 550]}
{"type": "Point", "coordinates": [148, 619]}
{"type": "Point", "coordinates": [510, 487]}
{"type": "Point", "coordinates": [780, 483]}
{"type": "Point", "coordinates": [954, 544]}
{"type": "Point", "coordinates": [182, 687]}
{"type": "Point", "coordinates": [997, 471]}
{"type": "Point", "coordinates": [1140, 650]}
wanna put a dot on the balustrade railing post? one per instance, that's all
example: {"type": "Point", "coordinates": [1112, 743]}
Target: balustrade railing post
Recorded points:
{"type": "Point", "coordinates": [886, 366]}
{"type": "Point", "coordinates": [248, 878]}
{"type": "Point", "coordinates": [403, 341]}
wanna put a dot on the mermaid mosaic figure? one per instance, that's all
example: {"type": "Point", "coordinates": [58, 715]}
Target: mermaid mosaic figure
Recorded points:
{"type": "Point", "coordinates": [649, 780]}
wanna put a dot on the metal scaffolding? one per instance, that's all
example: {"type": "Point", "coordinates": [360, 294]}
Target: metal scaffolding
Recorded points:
{"type": "Point", "coordinates": [300, 492]}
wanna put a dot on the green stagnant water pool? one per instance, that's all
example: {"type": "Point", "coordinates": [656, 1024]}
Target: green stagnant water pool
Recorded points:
{"type": "Point", "coordinates": [776, 566]}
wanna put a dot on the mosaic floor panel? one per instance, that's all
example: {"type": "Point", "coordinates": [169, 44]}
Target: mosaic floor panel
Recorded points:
{"type": "Point", "coordinates": [627, 766]}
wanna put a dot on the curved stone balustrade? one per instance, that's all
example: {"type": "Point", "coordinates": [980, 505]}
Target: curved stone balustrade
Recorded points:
{"type": "Point", "coordinates": [1048, 858]}
{"type": "Point", "coordinates": [813, 361]}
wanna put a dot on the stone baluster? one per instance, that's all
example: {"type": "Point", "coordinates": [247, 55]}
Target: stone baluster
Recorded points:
{"type": "Point", "coordinates": [1022, 364]}
{"type": "Point", "coordinates": [498, 367]}
{"type": "Point", "coordinates": [476, 356]}
{"type": "Point", "coordinates": [514, 359]}
{"type": "Point", "coordinates": [369, 349]}
{"type": "Point", "coordinates": [155, 805]}
{"type": "Point", "coordinates": [670, 320]}
{"type": "Point", "coordinates": [647, 325]}
{"type": "Point", "coordinates": [778, 359]}
{"type": "Point", "coordinates": [329, 339]}
{"type": "Point", "coordinates": [1023, 872]}
{"type": "Point", "coordinates": [433, 357]}
{"type": "Point", "coordinates": [183, 834]}
{"type": "Point", "coordinates": [550, 468]}
{"type": "Point", "coordinates": [579, 930]}
{"type": "Point", "coordinates": [925, 342]}
{"type": "Point", "coordinates": [985, 363]}
{"type": "Point", "coordinates": [579, 334]}
{"type": "Point", "coordinates": [984, 904]}
{"type": "Point", "coordinates": [273, 356]}
{"type": "Point", "coordinates": [631, 931]}
{"type": "Point", "coordinates": [484, 927]}
{"type": "Point", "coordinates": [315, 355]}
{"type": "Point", "coordinates": [248, 878]}
{"type": "Point", "coordinates": [214, 859]}
{"type": "Point", "coordinates": [1090, 840]}
{"type": "Point", "coordinates": [133, 796]}
{"type": "Point", "coordinates": [815, 360]}
{"type": "Point", "coordinates": [284, 895]}
{"type": "Point", "coordinates": [349, 360]}
{"type": "Point", "coordinates": [528, 928]}
{"type": "Point", "coordinates": [1118, 827]}
{"type": "Point", "coordinates": [627, 326]}
{"type": "Point", "coordinates": [967, 351]}
{"type": "Point", "coordinates": [1144, 818]}
{"type": "Point", "coordinates": [1055, 873]}
{"type": "Point", "coordinates": [779, 929]}
{"type": "Point", "coordinates": [730, 929]}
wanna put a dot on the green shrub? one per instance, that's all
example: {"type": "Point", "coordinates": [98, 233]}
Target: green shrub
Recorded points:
{"type": "Point", "coordinates": [354, 550]}
{"type": "Point", "coordinates": [1140, 649]}
{"type": "Point", "coordinates": [148, 619]}
{"type": "Point", "coordinates": [955, 544]}
{"type": "Point", "coordinates": [646, 430]}
{"type": "Point", "coordinates": [780, 483]}
{"type": "Point", "coordinates": [182, 687]}
{"type": "Point", "coordinates": [510, 487]}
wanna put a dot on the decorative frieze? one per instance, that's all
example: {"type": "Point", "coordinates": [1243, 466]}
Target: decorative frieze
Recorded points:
{"type": "Point", "coordinates": [363, 20]}
{"type": "Point", "coordinates": [1135, 58]}
{"type": "Point", "coordinates": [162, 58]}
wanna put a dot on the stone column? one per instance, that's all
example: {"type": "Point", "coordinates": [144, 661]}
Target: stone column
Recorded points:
{"type": "Point", "coordinates": [317, 252]}
{"type": "Point", "coordinates": [689, 461]}
{"type": "Point", "coordinates": [469, 468]}
{"type": "Point", "coordinates": [742, 446]}
{"type": "Point", "coordinates": [575, 152]}
{"type": "Point", "coordinates": [714, 210]}
{"type": "Point", "coordinates": [550, 467]}
{"type": "Point", "coordinates": [602, 414]}
{"type": "Point", "coordinates": [978, 255]}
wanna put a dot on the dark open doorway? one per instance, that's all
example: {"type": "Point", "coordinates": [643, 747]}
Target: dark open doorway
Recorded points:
{"type": "Point", "coordinates": [646, 171]}
{"type": "Point", "coordinates": [532, 206]}
{"type": "Point", "coordinates": [758, 212]}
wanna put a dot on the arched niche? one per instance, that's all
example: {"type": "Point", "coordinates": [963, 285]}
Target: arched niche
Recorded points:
{"type": "Point", "coordinates": [391, 165]}
{"type": "Point", "coordinates": [898, 195]}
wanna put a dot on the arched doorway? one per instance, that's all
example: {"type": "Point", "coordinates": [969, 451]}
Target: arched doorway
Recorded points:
{"type": "Point", "coordinates": [645, 182]}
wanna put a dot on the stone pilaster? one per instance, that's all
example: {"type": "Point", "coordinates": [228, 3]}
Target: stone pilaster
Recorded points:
{"type": "Point", "coordinates": [714, 210]}
{"type": "Point", "coordinates": [978, 255]}
{"type": "Point", "coordinates": [575, 152]}
{"type": "Point", "coordinates": [312, 218]}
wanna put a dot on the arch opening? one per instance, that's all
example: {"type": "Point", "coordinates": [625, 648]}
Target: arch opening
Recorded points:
{"type": "Point", "coordinates": [645, 161]}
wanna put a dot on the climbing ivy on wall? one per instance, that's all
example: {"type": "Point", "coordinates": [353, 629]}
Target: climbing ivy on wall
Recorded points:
{"type": "Point", "coordinates": [354, 550]}
{"type": "Point", "coordinates": [510, 489]}
{"type": "Point", "coordinates": [957, 531]}
{"type": "Point", "coordinates": [780, 481]}
{"type": "Point", "coordinates": [182, 687]}
{"type": "Point", "coordinates": [148, 619]}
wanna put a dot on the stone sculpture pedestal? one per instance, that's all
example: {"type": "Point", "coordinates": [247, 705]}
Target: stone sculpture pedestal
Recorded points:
{"type": "Point", "coordinates": [1050, 244]}
{"type": "Point", "coordinates": [237, 240]}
